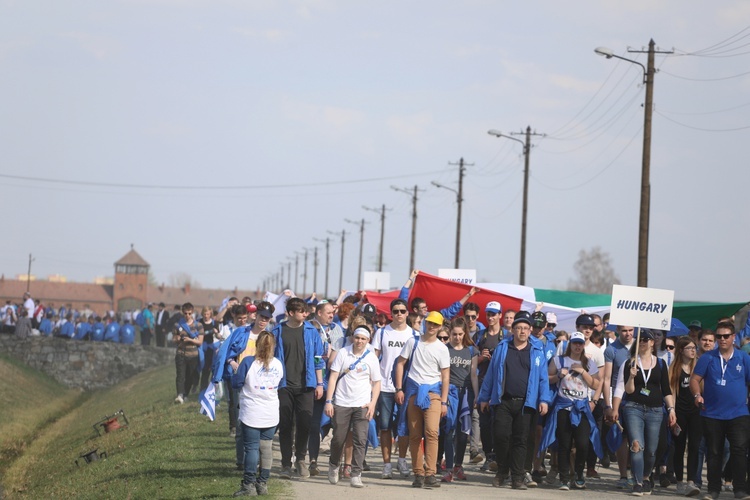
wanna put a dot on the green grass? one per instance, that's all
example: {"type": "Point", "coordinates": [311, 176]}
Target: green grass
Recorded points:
{"type": "Point", "coordinates": [168, 451]}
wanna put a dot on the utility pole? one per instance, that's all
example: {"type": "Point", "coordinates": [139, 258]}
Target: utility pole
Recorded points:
{"type": "Point", "coordinates": [459, 201]}
{"type": "Point", "coordinates": [327, 241]}
{"type": "Point", "coordinates": [28, 274]}
{"type": "Point", "coordinates": [361, 245]}
{"type": "Point", "coordinates": [341, 269]}
{"type": "Point", "coordinates": [296, 271]}
{"type": "Point", "coordinates": [304, 277]}
{"type": "Point", "coordinates": [288, 273]}
{"type": "Point", "coordinates": [382, 233]}
{"type": "Point", "coordinates": [526, 153]}
{"type": "Point", "coordinates": [413, 221]}
{"type": "Point", "coordinates": [315, 270]}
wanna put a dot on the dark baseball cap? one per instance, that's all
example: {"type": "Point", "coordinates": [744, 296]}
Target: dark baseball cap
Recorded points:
{"type": "Point", "coordinates": [538, 319]}
{"type": "Point", "coordinates": [585, 319]}
{"type": "Point", "coordinates": [522, 317]}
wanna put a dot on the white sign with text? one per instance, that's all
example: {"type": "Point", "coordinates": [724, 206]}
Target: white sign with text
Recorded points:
{"type": "Point", "coordinates": [465, 276]}
{"type": "Point", "coordinates": [644, 307]}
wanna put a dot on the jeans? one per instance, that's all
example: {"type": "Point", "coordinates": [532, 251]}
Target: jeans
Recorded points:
{"type": "Point", "coordinates": [567, 435]}
{"type": "Point", "coordinates": [423, 423]}
{"type": "Point", "coordinates": [643, 424]}
{"type": "Point", "coordinates": [386, 404]}
{"type": "Point", "coordinates": [345, 418]}
{"type": "Point", "coordinates": [295, 410]}
{"type": "Point", "coordinates": [313, 442]}
{"type": "Point", "coordinates": [511, 424]}
{"type": "Point", "coordinates": [187, 373]}
{"type": "Point", "coordinates": [251, 438]}
{"type": "Point", "coordinates": [737, 432]}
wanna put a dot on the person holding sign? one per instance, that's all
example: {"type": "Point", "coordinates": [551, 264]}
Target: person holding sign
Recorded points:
{"type": "Point", "coordinates": [643, 383]}
{"type": "Point", "coordinates": [725, 373]}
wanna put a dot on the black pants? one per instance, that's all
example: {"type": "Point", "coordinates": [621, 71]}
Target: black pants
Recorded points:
{"type": "Point", "coordinates": [528, 461]}
{"type": "Point", "coordinates": [295, 410]}
{"type": "Point", "coordinates": [691, 434]}
{"type": "Point", "coordinates": [161, 336]}
{"type": "Point", "coordinates": [737, 432]}
{"type": "Point", "coordinates": [511, 431]}
{"type": "Point", "coordinates": [485, 433]}
{"type": "Point", "coordinates": [187, 373]}
{"type": "Point", "coordinates": [146, 336]}
{"type": "Point", "coordinates": [567, 435]}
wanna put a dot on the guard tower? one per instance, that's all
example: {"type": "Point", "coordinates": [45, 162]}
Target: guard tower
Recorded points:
{"type": "Point", "coordinates": [131, 282]}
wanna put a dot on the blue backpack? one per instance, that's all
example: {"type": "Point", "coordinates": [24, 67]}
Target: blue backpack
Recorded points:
{"type": "Point", "coordinates": [140, 320]}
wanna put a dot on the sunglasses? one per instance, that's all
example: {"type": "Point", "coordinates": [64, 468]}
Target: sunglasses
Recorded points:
{"type": "Point", "coordinates": [724, 336]}
{"type": "Point", "coordinates": [399, 311]}
{"type": "Point", "coordinates": [670, 348]}
{"type": "Point", "coordinates": [444, 339]}
{"type": "Point", "coordinates": [644, 339]}
{"type": "Point", "coordinates": [471, 317]}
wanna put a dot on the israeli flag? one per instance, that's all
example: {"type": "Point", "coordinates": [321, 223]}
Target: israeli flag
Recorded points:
{"type": "Point", "coordinates": [208, 402]}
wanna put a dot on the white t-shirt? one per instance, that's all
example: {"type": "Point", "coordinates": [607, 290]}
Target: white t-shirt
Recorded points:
{"type": "Point", "coordinates": [390, 342]}
{"type": "Point", "coordinates": [354, 386]}
{"type": "Point", "coordinates": [573, 387]}
{"type": "Point", "coordinates": [428, 361]}
{"type": "Point", "coordinates": [259, 398]}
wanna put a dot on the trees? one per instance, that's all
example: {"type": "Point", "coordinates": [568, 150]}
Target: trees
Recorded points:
{"type": "Point", "coordinates": [593, 272]}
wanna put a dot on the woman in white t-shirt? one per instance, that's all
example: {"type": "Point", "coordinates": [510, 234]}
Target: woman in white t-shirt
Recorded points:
{"type": "Point", "coordinates": [574, 373]}
{"type": "Point", "coordinates": [353, 390]}
{"type": "Point", "coordinates": [257, 379]}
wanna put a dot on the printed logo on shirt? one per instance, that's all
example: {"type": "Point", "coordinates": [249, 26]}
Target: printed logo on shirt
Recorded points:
{"type": "Point", "coordinates": [396, 343]}
{"type": "Point", "coordinates": [739, 368]}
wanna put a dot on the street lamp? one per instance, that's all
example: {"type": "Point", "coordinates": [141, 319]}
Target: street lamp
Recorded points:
{"type": "Point", "coordinates": [524, 210]}
{"type": "Point", "coordinates": [645, 209]}
{"type": "Point", "coordinates": [458, 217]}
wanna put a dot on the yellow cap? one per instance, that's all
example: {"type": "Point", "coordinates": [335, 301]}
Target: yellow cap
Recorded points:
{"type": "Point", "coordinates": [435, 317]}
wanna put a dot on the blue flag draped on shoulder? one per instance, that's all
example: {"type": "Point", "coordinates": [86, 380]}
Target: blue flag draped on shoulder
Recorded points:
{"type": "Point", "coordinates": [208, 402]}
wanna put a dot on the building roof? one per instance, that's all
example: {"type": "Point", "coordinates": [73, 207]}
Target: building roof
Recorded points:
{"type": "Point", "coordinates": [57, 293]}
{"type": "Point", "coordinates": [132, 259]}
{"type": "Point", "coordinates": [199, 297]}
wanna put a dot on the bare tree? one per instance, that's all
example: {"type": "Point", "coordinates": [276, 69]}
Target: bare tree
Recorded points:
{"type": "Point", "coordinates": [593, 272]}
{"type": "Point", "coordinates": [180, 280]}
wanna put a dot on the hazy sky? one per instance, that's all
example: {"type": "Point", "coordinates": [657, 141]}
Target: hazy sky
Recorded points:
{"type": "Point", "coordinates": [261, 125]}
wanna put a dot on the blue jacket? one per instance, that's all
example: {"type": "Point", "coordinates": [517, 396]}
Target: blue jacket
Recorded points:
{"type": "Point", "coordinates": [82, 330]}
{"type": "Point", "coordinates": [45, 327]}
{"type": "Point", "coordinates": [549, 347]}
{"type": "Point", "coordinates": [578, 409]}
{"type": "Point", "coordinates": [97, 332]}
{"type": "Point", "coordinates": [112, 332]}
{"type": "Point", "coordinates": [537, 391]}
{"type": "Point", "coordinates": [67, 330]}
{"type": "Point", "coordinates": [127, 333]}
{"type": "Point", "coordinates": [230, 349]}
{"type": "Point", "coordinates": [313, 353]}
{"type": "Point", "coordinates": [421, 395]}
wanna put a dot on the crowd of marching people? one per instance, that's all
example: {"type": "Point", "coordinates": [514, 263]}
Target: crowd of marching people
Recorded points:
{"type": "Point", "coordinates": [535, 406]}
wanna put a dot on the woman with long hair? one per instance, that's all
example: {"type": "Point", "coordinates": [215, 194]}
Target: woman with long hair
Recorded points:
{"type": "Point", "coordinates": [210, 331]}
{"type": "Point", "coordinates": [463, 380]}
{"type": "Point", "coordinates": [643, 384]}
{"type": "Point", "coordinates": [574, 376]}
{"type": "Point", "coordinates": [688, 430]}
{"type": "Point", "coordinates": [257, 378]}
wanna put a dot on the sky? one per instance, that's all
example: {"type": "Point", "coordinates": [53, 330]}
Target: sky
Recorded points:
{"type": "Point", "coordinates": [223, 138]}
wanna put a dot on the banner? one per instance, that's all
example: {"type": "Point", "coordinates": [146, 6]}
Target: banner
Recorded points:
{"type": "Point", "coordinates": [465, 276]}
{"type": "Point", "coordinates": [644, 307]}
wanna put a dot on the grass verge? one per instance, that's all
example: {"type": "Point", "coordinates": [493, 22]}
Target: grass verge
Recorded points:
{"type": "Point", "coordinates": [167, 451]}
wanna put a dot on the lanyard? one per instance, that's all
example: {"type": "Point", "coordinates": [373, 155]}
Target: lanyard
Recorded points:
{"type": "Point", "coordinates": [643, 372]}
{"type": "Point", "coordinates": [354, 365]}
{"type": "Point", "coordinates": [724, 365]}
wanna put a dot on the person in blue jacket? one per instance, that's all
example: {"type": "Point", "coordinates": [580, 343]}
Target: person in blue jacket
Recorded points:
{"type": "Point", "coordinates": [45, 326]}
{"type": "Point", "coordinates": [112, 331]}
{"type": "Point", "coordinates": [83, 328]}
{"type": "Point", "coordinates": [97, 330]}
{"type": "Point", "coordinates": [516, 386]}
{"type": "Point", "coordinates": [67, 329]}
{"type": "Point", "coordinates": [300, 350]}
{"type": "Point", "coordinates": [127, 333]}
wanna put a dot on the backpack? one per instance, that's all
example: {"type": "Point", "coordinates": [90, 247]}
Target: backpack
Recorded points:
{"type": "Point", "coordinates": [140, 320]}
{"type": "Point", "coordinates": [407, 365]}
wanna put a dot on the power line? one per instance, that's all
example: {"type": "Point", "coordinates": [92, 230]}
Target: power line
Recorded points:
{"type": "Point", "coordinates": [704, 79]}
{"type": "Point", "coordinates": [735, 129]}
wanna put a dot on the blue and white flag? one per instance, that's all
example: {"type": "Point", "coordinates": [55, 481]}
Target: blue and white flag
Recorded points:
{"type": "Point", "coordinates": [208, 402]}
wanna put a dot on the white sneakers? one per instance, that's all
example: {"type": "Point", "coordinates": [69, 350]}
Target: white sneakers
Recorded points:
{"type": "Point", "coordinates": [387, 471]}
{"type": "Point", "coordinates": [333, 474]}
{"type": "Point", "coordinates": [179, 399]}
{"type": "Point", "coordinates": [356, 482]}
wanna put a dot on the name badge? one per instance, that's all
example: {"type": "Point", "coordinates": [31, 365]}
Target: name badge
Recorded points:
{"type": "Point", "coordinates": [721, 382]}
{"type": "Point", "coordinates": [645, 392]}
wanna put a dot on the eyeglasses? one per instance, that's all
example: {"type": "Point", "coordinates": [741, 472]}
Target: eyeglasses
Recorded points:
{"type": "Point", "coordinates": [471, 317]}
{"type": "Point", "coordinates": [670, 347]}
{"type": "Point", "coordinates": [444, 339]}
{"type": "Point", "coordinates": [399, 311]}
{"type": "Point", "coordinates": [724, 336]}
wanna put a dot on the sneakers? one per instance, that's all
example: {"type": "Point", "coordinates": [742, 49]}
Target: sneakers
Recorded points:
{"type": "Point", "coordinates": [552, 480]}
{"type": "Point", "coordinates": [246, 490]}
{"type": "Point", "coordinates": [346, 471]}
{"type": "Point", "coordinates": [302, 469]}
{"type": "Point", "coordinates": [711, 495]}
{"type": "Point", "coordinates": [286, 473]}
{"type": "Point", "coordinates": [486, 465]}
{"type": "Point", "coordinates": [623, 483]}
{"type": "Point", "coordinates": [519, 484]}
{"type": "Point", "coordinates": [458, 473]}
{"type": "Point", "coordinates": [314, 471]}
{"type": "Point", "coordinates": [333, 474]}
{"type": "Point", "coordinates": [403, 468]}
{"type": "Point", "coordinates": [592, 474]}
{"type": "Point", "coordinates": [648, 486]}
{"type": "Point", "coordinates": [418, 481]}
{"type": "Point", "coordinates": [637, 490]}
{"type": "Point", "coordinates": [691, 490]}
{"type": "Point", "coordinates": [447, 477]}
{"type": "Point", "coordinates": [564, 487]}
{"type": "Point", "coordinates": [261, 488]}
{"type": "Point", "coordinates": [529, 481]}
{"type": "Point", "coordinates": [580, 483]}
{"type": "Point", "coordinates": [387, 471]}
{"type": "Point", "coordinates": [478, 457]}
{"type": "Point", "coordinates": [356, 482]}
{"type": "Point", "coordinates": [664, 481]}
{"type": "Point", "coordinates": [179, 399]}
{"type": "Point", "coordinates": [605, 461]}
{"type": "Point", "coordinates": [232, 432]}
{"type": "Point", "coordinates": [727, 487]}
{"type": "Point", "coordinates": [432, 482]}
{"type": "Point", "coordinates": [741, 495]}
{"type": "Point", "coordinates": [498, 481]}
{"type": "Point", "coordinates": [493, 466]}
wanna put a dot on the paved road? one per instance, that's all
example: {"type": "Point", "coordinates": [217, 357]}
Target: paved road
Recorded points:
{"type": "Point", "coordinates": [478, 485]}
